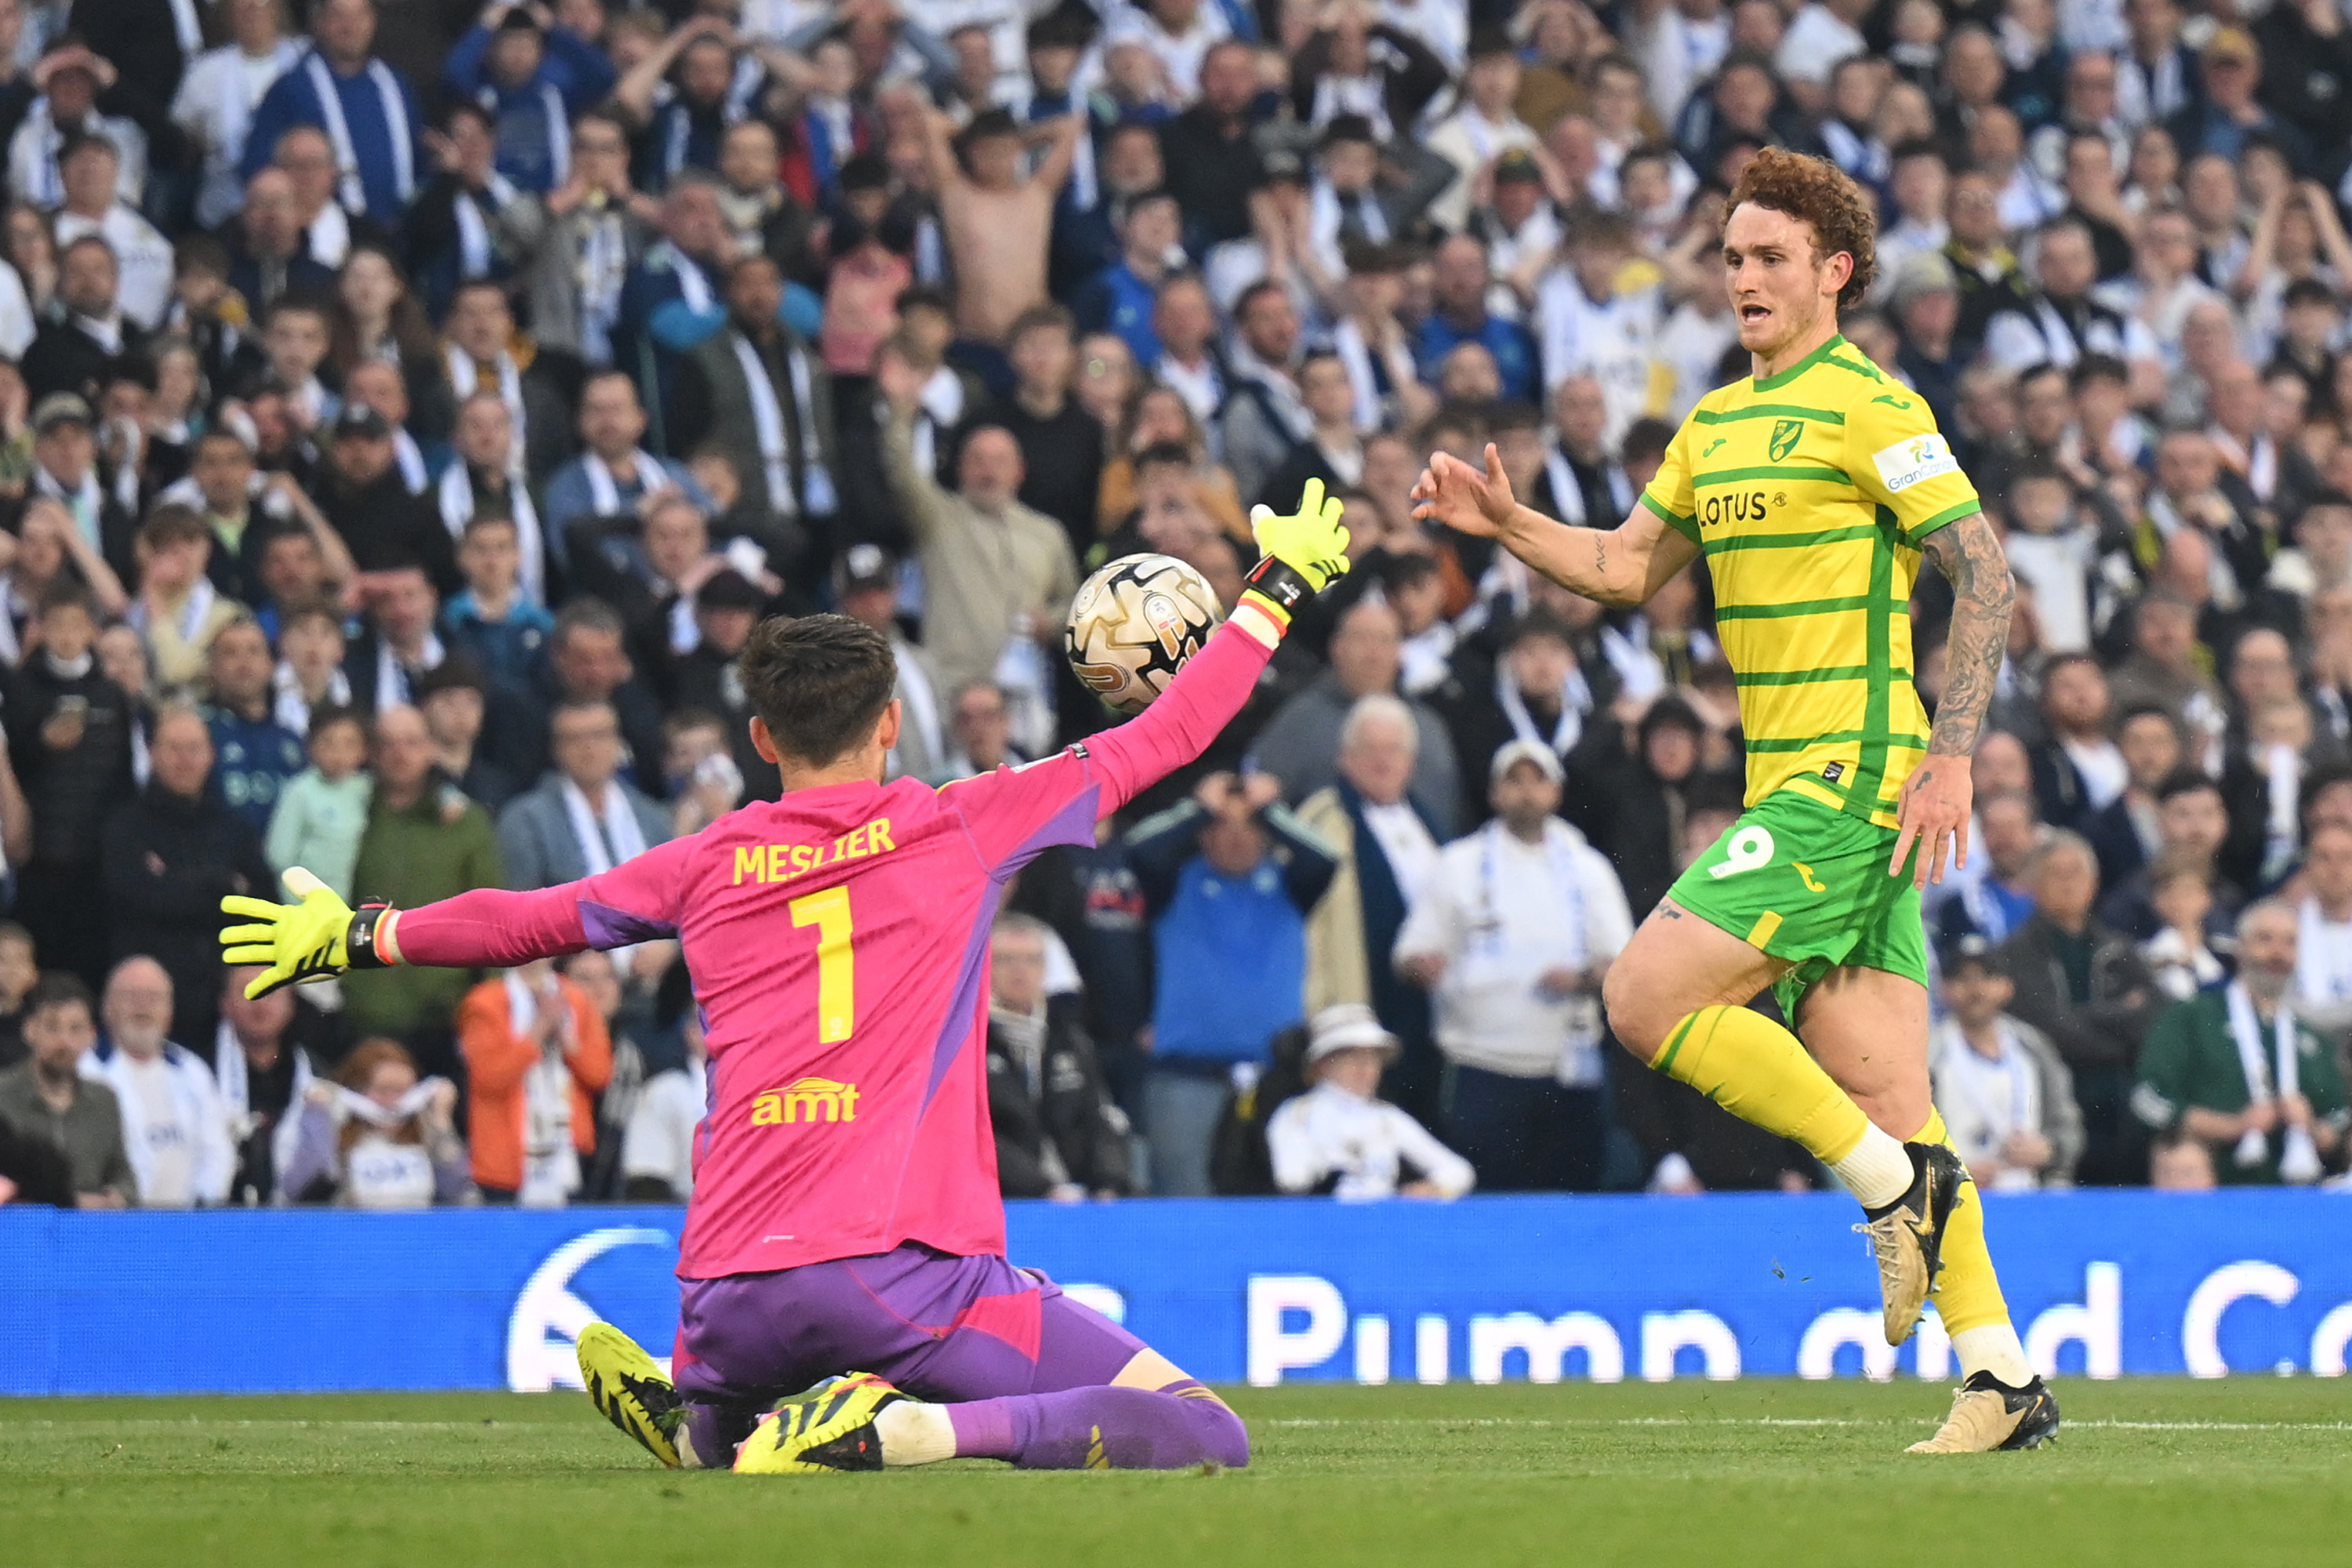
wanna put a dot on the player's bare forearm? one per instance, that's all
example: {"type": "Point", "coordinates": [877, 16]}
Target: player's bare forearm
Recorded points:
{"type": "Point", "coordinates": [1622, 566]}
{"type": "Point", "coordinates": [1969, 556]}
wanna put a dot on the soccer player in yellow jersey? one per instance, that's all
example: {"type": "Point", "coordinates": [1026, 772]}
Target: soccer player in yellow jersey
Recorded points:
{"type": "Point", "coordinates": [1812, 487]}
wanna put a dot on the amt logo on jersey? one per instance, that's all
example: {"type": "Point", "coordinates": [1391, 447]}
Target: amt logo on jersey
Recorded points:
{"type": "Point", "coordinates": [807, 1100]}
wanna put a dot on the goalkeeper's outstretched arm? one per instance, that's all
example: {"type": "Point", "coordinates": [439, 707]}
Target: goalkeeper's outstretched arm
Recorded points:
{"type": "Point", "coordinates": [1620, 566]}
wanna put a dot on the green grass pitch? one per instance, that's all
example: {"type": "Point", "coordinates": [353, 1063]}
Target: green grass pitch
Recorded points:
{"type": "Point", "coordinates": [1746, 1475]}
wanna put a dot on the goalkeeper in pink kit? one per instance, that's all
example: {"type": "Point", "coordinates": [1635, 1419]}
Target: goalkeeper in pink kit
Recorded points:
{"type": "Point", "coordinates": [845, 1222]}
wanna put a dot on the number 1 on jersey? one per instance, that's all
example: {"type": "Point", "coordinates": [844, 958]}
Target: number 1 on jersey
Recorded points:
{"type": "Point", "coordinates": [837, 988]}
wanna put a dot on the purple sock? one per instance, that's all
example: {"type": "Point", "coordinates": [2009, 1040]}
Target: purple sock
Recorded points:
{"type": "Point", "coordinates": [1103, 1428]}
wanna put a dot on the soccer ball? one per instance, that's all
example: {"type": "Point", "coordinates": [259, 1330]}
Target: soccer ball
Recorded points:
{"type": "Point", "coordinates": [1133, 625]}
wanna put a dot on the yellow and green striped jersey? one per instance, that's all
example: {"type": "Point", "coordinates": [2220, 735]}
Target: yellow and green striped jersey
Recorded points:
{"type": "Point", "coordinates": [1809, 492]}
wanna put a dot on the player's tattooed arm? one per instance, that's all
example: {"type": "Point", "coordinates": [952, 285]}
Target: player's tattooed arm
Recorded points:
{"type": "Point", "coordinates": [1970, 557]}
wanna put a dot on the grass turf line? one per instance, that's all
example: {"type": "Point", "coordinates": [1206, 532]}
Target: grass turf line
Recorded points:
{"type": "Point", "coordinates": [1753, 1473]}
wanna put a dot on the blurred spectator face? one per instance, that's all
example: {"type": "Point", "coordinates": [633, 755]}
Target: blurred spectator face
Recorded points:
{"type": "Point", "coordinates": [1671, 751]}
{"type": "Point", "coordinates": [2043, 503]}
{"type": "Point", "coordinates": [1349, 166]}
{"type": "Point", "coordinates": [480, 323]}
{"type": "Point", "coordinates": [1269, 327]}
{"type": "Point", "coordinates": [1183, 318]}
{"type": "Point", "coordinates": [2166, 632]}
{"type": "Point", "coordinates": [2285, 401]}
{"type": "Point", "coordinates": [2266, 942]}
{"type": "Point", "coordinates": [589, 662]}
{"type": "Point", "coordinates": [835, 65]}
{"type": "Point", "coordinates": [1131, 160]}
{"type": "Point", "coordinates": [981, 726]}
{"type": "Point", "coordinates": [404, 606]}
{"type": "Point", "coordinates": [2151, 749]}
{"type": "Point", "coordinates": [182, 753]}
{"type": "Point", "coordinates": [368, 284]}
{"type": "Point", "coordinates": [1521, 449]}
{"type": "Point", "coordinates": [1996, 140]}
{"type": "Point", "coordinates": [875, 607]}
{"type": "Point", "coordinates": [1469, 374]}
{"type": "Point", "coordinates": [2186, 567]}
{"type": "Point", "coordinates": [2044, 407]}
{"type": "Point", "coordinates": [1616, 101]}
{"type": "Point", "coordinates": [1232, 844]}
{"type": "Point", "coordinates": [2182, 897]}
{"type": "Point", "coordinates": [292, 568]}
{"type": "Point", "coordinates": [600, 155]}
{"type": "Point", "coordinates": [1364, 653]}
{"type": "Point", "coordinates": [2194, 823]}
{"type": "Point", "coordinates": [345, 28]}
{"type": "Point", "coordinates": [1152, 229]}
{"type": "Point", "coordinates": [2261, 670]}
{"type": "Point", "coordinates": [1538, 665]}
{"type": "Point", "coordinates": [491, 559]}
{"type": "Point", "coordinates": [1323, 387]}
{"type": "Point", "coordinates": [257, 1024]}
{"type": "Point", "coordinates": [1043, 357]}
{"type": "Point", "coordinates": [137, 1005]}
{"type": "Point", "coordinates": [2209, 339]}
{"type": "Point", "coordinates": [2091, 88]}
{"type": "Point", "coordinates": [122, 655]}
{"type": "Point", "coordinates": [1524, 796]}
{"type": "Point", "coordinates": [404, 750]}
{"type": "Point", "coordinates": [2234, 397]}
{"type": "Point", "coordinates": [1377, 758]}
{"type": "Point", "coordinates": [706, 70]}
{"type": "Point", "coordinates": [2001, 766]}
{"type": "Point", "coordinates": [2328, 864]}
{"type": "Point", "coordinates": [1461, 279]}
{"type": "Point", "coordinates": [2180, 1166]}
{"type": "Point", "coordinates": [1216, 559]}
{"type": "Point", "coordinates": [2324, 535]}
{"type": "Point", "coordinates": [85, 280]}
{"type": "Point", "coordinates": [453, 715]}
{"type": "Point", "coordinates": [1922, 185]}
{"type": "Point", "coordinates": [1976, 995]}
{"type": "Point", "coordinates": [1162, 418]}
{"type": "Point", "coordinates": [1106, 377]}
{"type": "Point", "coordinates": [1016, 969]}
{"type": "Point", "coordinates": [374, 385]}
{"type": "Point", "coordinates": [2067, 264]}
{"type": "Point", "coordinates": [2065, 884]}
{"type": "Point", "coordinates": [1229, 78]}
{"type": "Point", "coordinates": [611, 421]}
{"type": "Point", "coordinates": [2231, 69]}
{"type": "Point", "coordinates": [2186, 465]}
{"type": "Point", "coordinates": [2009, 833]}
{"type": "Point", "coordinates": [2090, 168]}
{"type": "Point", "coordinates": [515, 55]}
{"type": "Point", "coordinates": [88, 178]}
{"type": "Point", "coordinates": [67, 451]}
{"type": "Point", "coordinates": [392, 1078]}
{"type": "Point", "coordinates": [295, 342]}
{"type": "Point", "coordinates": [1744, 97]}
{"type": "Point", "coordinates": [1930, 318]}
{"type": "Point", "coordinates": [675, 538]}
{"type": "Point", "coordinates": [586, 742]}
{"type": "Point", "coordinates": [2076, 697]}
{"type": "Point", "coordinates": [747, 159]}
{"type": "Point", "coordinates": [1976, 210]}
{"type": "Point", "coordinates": [691, 219]}
{"type": "Point", "coordinates": [990, 469]}
{"type": "Point", "coordinates": [484, 433]}
{"type": "Point", "coordinates": [1973, 68]}
{"type": "Point", "coordinates": [309, 160]}
{"type": "Point", "coordinates": [2285, 723]}
{"type": "Point", "coordinates": [726, 627]}
{"type": "Point", "coordinates": [995, 160]}
{"type": "Point", "coordinates": [238, 664]}
{"type": "Point", "coordinates": [1701, 830]}
{"type": "Point", "coordinates": [59, 1036]}
{"type": "Point", "coordinates": [2167, 247]}
{"type": "Point", "coordinates": [755, 292]}
{"type": "Point", "coordinates": [1856, 84]}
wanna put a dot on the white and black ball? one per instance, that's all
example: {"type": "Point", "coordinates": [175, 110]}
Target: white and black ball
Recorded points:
{"type": "Point", "coordinates": [1133, 625]}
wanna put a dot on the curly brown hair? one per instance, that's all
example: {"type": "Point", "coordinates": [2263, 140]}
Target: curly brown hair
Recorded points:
{"type": "Point", "coordinates": [1817, 192]}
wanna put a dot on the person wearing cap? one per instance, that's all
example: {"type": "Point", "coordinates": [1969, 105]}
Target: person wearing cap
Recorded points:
{"type": "Point", "coordinates": [2228, 117]}
{"type": "Point", "coordinates": [1484, 128]}
{"type": "Point", "coordinates": [1925, 300]}
{"type": "Point", "coordinates": [1229, 879]}
{"type": "Point", "coordinates": [1340, 1138]}
{"type": "Point", "coordinates": [361, 492]}
{"type": "Point", "coordinates": [1511, 935]}
{"type": "Point", "coordinates": [65, 468]}
{"type": "Point", "coordinates": [2005, 1094]}
{"type": "Point", "coordinates": [70, 77]}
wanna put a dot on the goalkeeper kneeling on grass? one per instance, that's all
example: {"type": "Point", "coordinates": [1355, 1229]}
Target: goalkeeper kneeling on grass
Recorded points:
{"type": "Point", "coordinates": [1341, 1138]}
{"type": "Point", "coordinates": [845, 1229]}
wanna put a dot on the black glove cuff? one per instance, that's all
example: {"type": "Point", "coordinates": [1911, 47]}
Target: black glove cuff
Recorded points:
{"type": "Point", "coordinates": [1281, 583]}
{"type": "Point", "coordinates": [359, 943]}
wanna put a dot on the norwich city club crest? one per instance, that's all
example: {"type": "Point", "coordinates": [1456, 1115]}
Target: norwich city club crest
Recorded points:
{"type": "Point", "coordinates": [1786, 433]}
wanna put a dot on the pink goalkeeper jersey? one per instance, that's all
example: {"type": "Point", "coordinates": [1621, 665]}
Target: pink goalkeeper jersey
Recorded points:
{"type": "Point", "coordinates": [838, 941]}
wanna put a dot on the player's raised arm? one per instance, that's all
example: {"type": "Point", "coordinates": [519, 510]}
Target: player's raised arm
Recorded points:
{"type": "Point", "coordinates": [319, 935]}
{"type": "Point", "coordinates": [1622, 565]}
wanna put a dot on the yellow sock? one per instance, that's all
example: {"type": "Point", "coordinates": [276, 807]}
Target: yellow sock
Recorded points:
{"type": "Point", "coordinates": [1761, 1073]}
{"type": "Point", "coordinates": [1967, 1293]}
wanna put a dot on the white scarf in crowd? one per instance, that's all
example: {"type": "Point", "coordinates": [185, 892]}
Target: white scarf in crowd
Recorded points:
{"type": "Point", "coordinates": [599, 270]}
{"type": "Point", "coordinates": [551, 1167]}
{"type": "Point", "coordinates": [1349, 342]}
{"type": "Point", "coordinates": [2298, 1157]}
{"type": "Point", "coordinates": [2000, 1095]}
{"type": "Point", "coordinates": [231, 1072]}
{"type": "Point", "coordinates": [292, 709]}
{"type": "Point", "coordinates": [352, 192]}
{"type": "Point", "coordinates": [2282, 829]}
{"type": "Point", "coordinates": [376, 1171]}
{"type": "Point", "coordinates": [605, 491]}
{"type": "Point", "coordinates": [1568, 496]}
{"type": "Point", "coordinates": [201, 597]}
{"type": "Point", "coordinates": [1564, 943]}
{"type": "Point", "coordinates": [619, 822]}
{"type": "Point", "coordinates": [1575, 702]}
{"type": "Point", "coordinates": [410, 459]}
{"type": "Point", "coordinates": [465, 375]}
{"type": "Point", "coordinates": [768, 419]}
{"type": "Point", "coordinates": [559, 128]}
{"type": "Point", "coordinates": [2322, 955]}
{"type": "Point", "coordinates": [477, 254]}
{"type": "Point", "coordinates": [457, 510]}
{"type": "Point", "coordinates": [392, 689]}
{"type": "Point", "coordinates": [1326, 216]}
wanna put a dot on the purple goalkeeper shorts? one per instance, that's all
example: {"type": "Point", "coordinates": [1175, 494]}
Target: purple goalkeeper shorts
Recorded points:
{"type": "Point", "coordinates": [942, 1328]}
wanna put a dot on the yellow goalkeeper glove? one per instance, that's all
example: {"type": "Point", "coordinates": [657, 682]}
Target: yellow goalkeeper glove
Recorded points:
{"type": "Point", "coordinates": [1302, 553]}
{"type": "Point", "coordinates": [312, 939]}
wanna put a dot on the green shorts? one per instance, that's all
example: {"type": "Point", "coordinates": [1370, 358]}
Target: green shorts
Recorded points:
{"type": "Point", "coordinates": [1808, 884]}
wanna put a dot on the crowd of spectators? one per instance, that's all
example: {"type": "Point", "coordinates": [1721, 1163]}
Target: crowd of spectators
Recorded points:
{"type": "Point", "coordinates": [406, 417]}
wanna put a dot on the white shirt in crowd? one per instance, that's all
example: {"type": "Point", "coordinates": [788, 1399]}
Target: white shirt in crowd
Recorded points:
{"type": "Point", "coordinates": [1503, 912]}
{"type": "Point", "coordinates": [1366, 1143]}
{"type": "Point", "coordinates": [658, 1142]}
{"type": "Point", "coordinates": [1985, 1099]}
{"type": "Point", "coordinates": [174, 1127]}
